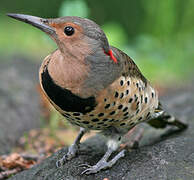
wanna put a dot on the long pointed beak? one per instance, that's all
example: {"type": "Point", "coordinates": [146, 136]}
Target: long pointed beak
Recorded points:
{"type": "Point", "coordinates": [38, 22]}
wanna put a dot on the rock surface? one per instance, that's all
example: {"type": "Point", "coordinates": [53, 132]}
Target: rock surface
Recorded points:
{"type": "Point", "coordinates": [19, 109]}
{"type": "Point", "coordinates": [158, 158]}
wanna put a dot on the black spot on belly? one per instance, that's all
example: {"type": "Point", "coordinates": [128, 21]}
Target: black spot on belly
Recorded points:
{"type": "Point", "coordinates": [111, 120]}
{"type": "Point", "coordinates": [120, 106]}
{"type": "Point", "coordinates": [125, 114]}
{"type": "Point", "coordinates": [64, 98]}
{"type": "Point", "coordinates": [85, 122]}
{"type": "Point", "coordinates": [140, 119]}
{"type": "Point", "coordinates": [76, 114]}
{"type": "Point", "coordinates": [121, 96]}
{"type": "Point", "coordinates": [113, 112]}
{"type": "Point", "coordinates": [125, 109]}
{"type": "Point", "coordinates": [130, 100]}
{"type": "Point", "coordinates": [121, 82]}
{"type": "Point", "coordinates": [147, 116]}
{"type": "Point", "coordinates": [95, 120]}
{"type": "Point", "coordinates": [116, 94]}
{"type": "Point", "coordinates": [101, 114]}
{"type": "Point", "coordinates": [100, 123]}
{"type": "Point", "coordinates": [122, 124]}
{"type": "Point", "coordinates": [107, 106]}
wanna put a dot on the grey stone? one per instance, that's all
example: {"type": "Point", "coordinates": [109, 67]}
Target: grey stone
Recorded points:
{"type": "Point", "coordinates": [19, 101]}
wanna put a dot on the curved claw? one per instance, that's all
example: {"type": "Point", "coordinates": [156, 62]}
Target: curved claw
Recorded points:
{"type": "Point", "coordinates": [61, 161]}
{"type": "Point", "coordinates": [58, 163]}
{"type": "Point", "coordinates": [84, 165]}
{"type": "Point", "coordinates": [84, 171]}
{"type": "Point", "coordinates": [88, 171]}
{"type": "Point", "coordinates": [93, 169]}
{"type": "Point", "coordinates": [64, 159]}
{"type": "Point", "coordinates": [70, 155]}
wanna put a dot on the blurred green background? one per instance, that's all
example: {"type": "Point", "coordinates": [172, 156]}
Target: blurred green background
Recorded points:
{"type": "Point", "coordinates": [158, 35]}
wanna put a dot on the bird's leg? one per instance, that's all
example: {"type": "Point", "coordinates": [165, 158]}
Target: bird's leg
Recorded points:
{"type": "Point", "coordinates": [138, 136]}
{"type": "Point", "coordinates": [104, 163]}
{"type": "Point", "coordinates": [72, 150]}
{"type": "Point", "coordinates": [133, 137]}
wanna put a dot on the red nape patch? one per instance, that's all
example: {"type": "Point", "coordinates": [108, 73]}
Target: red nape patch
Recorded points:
{"type": "Point", "coordinates": [111, 56]}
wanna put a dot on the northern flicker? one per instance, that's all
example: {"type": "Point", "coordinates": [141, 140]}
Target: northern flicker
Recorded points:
{"type": "Point", "coordinates": [95, 86]}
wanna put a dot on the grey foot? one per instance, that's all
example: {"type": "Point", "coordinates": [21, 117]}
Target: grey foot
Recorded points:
{"type": "Point", "coordinates": [103, 164]}
{"type": "Point", "coordinates": [72, 151]}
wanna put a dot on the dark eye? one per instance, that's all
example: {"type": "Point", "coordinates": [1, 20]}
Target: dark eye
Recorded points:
{"type": "Point", "coordinates": [69, 30]}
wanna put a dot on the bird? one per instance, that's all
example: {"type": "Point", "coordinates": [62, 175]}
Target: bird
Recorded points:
{"type": "Point", "coordinates": [95, 86]}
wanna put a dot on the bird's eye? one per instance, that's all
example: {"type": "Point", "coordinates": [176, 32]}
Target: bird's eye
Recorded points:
{"type": "Point", "coordinates": [69, 30]}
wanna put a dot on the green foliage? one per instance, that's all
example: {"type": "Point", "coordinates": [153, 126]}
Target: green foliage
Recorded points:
{"type": "Point", "coordinates": [160, 17]}
{"type": "Point", "coordinates": [115, 33]}
{"type": "Point", "coordinates": [74, 8]}
{"type": "Point", "coordinates": [54, 120]}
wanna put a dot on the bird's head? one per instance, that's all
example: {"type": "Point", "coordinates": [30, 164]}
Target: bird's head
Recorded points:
{"type": "Point", "coordinates": [74, 35]}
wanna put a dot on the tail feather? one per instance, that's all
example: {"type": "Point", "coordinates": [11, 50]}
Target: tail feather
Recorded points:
{"type": "Point", "coordinates": [161, 119]}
